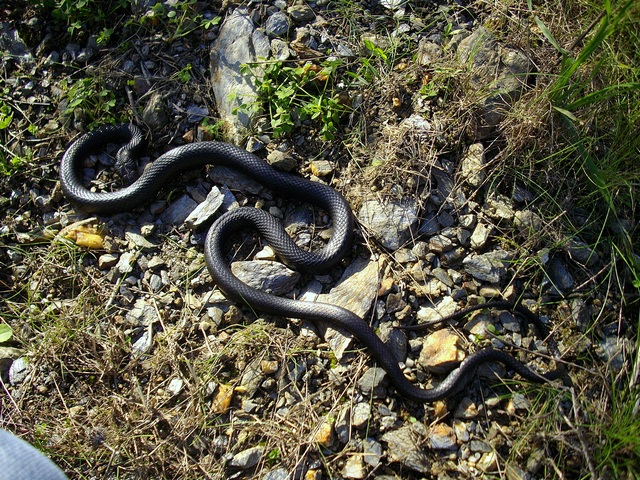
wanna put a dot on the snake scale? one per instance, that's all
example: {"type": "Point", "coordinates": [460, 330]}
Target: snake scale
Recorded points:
{"type": "Point", "coordinates": [195, 155]}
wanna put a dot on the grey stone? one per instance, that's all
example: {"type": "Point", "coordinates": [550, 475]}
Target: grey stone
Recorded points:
{"type": "Point", "coordinates": [480, 235]}
{"type": "Point", "coordinates": [497, 74]}
{"type": "Point", "coordinates": [353, 468]}
{"type": "Point", "coordinates": [178, 211]}
{"type": "Point", "coordinates": [125, 262]}
{"type": "Point", "coordinates": [143, 344]}
{"type": "Point", "coordinates": [429, 225]}
{"type": "Point", "coordinates": [206, 209]}
{"type": "Point", "coordinates": [196, 114]}
{"type": "Point", "coordinates": [390, 222]}
{"type": "Point", "coordinates": [442, 437]}
{"type": "Point", "coordinates": [361, 415]}
{"type": "Point", "coordinates": [472, 165]}
{"type": "Point", "coordinates": [277, 474]}
{"type": "Point", "coordinates": [270, 277]}
{"type": "Point", "coordinates": [234, 180]}
{"type": "Point", "coordinates": [246, 459]}
{"type": "Point", "coordinates": [282, 161]}
{"type": "Point", "coordinates": [527, 221]}
{"type": "Point", "coordinates": [301, 13]}
{"type": "Point", "coordinates": [238, 43]}
{"type": "Point", "coordinates": [559, 279]}
{"type": "Point", "coordinates": [355, 291]}
{"type": "Point", "coordinates": [107, 260]}
{"type": "Point", "coordinates": [11, 43]}
{"type": "Point", "coordinates": [154, 113]}
{"type": "Point", "coordinates": [440, 244]}
{"type": "Point", "coordinates": [371, 452]}
{"type": "Point", "coordinates": [428, 52]}
{"type": "Point", "coordinates": [486, 267]}
{"type": "Point", "coordinates": [580, 252]}
{"type": "Point", "coordinates": [277, 25]}
{"type": "Point", "coordinates": [19, 370]}
{"type": "Point", "coordinates": [175, 386]}
{"type": "Point", "coordinates": [404, 447]}
{"type": "Point", "coordinates": [374, 382]}
{"type": "Point", "coordinates": [143, 313]}
{"type": "Point", "coordinates": [280, 49]}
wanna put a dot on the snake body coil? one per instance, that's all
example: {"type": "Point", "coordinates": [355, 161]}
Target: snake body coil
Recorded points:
{"type": "Point", "coordinates": [196, 155]}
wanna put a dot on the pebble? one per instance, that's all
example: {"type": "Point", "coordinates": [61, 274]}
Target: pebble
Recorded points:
{"type": "Point", "coordinates": [19, 370]}
{"type": "Point", "coordinates": [246, 459]}
{"type": "Point", "coordinates": [389, 222]}
{"type": "Point", "coordinates": [440, 352]}
{"type": "Point", "coordinates": [282, 161]}
{"type": "Point", "coordinates": [374, 382]}
{"type": "Point", "coordinates": [301, 13]}
{"type": "Point", "coordinates": [321, 168]}
{"type": "Point", "coordinates": [354, 467]}
{"type": "Point", "coordinates": [271, 277]}
{"type": "Point", "coordinates": [404, 447]}
{"type": "Point", "coordinates": [178, 211]}
{"type": "Point", "coordinates": [107, 261]}
{"type": "Point", "coordinates": [480, 236]}
{"type": "Point", "coordinates": [361, 415]}
{"type": "Point", "coordinates": [442, 437]}
{"type": "Point", "coordinates": [486, 267]}
{"type": "Point", "coordinates": [371, 452]}
{"type": "Point", "coordinates": [277, 474]}
{"type": "Point", "coordinates": [466, 409]}
{"type": "Point", "coordinates": [205, 210]}
{"type": "Point", "coordinates": [277, 25]}
{"type": "Point", "coordinates": [472, 165]}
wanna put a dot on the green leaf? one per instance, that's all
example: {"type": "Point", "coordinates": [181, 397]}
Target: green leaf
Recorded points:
{"type": "Point", "coordinates": [547, 33]}
{"type": "Point", "coordinates": [5, 333]}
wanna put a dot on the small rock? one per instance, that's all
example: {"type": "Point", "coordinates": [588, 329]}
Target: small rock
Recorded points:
{"type": "Point", "coordinates": [206, 209]}
{"type": "Point", "coordinates": [321, 168]}
{"type": "Point", "coordinates": [479, 446]}
{"type": "Point", "coordinates": [354, 467]}
{"type": "Point", "coordinates": [447, 306]}
{"type": "Point", "coordinates": [196, 114]}
{"type": "Point", "coordinates": [560, 280]}
{"type": "Point", "coordinates": [246, 459]}
{"type": "Point", "coordinates": [361, 415]}
{"type": "Point", "coordinates": [374, 382]}
{"type": "Point", "coordinates": [580, 252]}
{"type": "Point", "coordinates": [371, 452]}
{"type": "Point", "coordinates": [466, 409]}
{"type": "Point", "coordinates": [526, 220]}
{"type": "Point", "coordinates": [442, 437]}
{"type": "Point", "coordinates": [472, 165]}
{"type": "Point", "coordinates": [488, 462]}
{"type": "Point", "coordinates": [404, 447]}
{"type": "Point", "coordinates": [175, 386]}
{"type": "Point", "coordinates": [271, 277]}
{"type": "Point", "coordinates": [301, 13]}
{"type": "Point", "coordinates": [154, 113]}
{"type": "Point", "coordinates": [19, 370]}
{"type": "Point", "coordinates": [390, 222]}
{"type": "Point", "coordinates": [486, 267]}
{"type": "Point", "coordinates": [277, 474]}
{"type": "Point", "coordinates": [440, 352]}
{"type": "Point", "coordinates": [142, 345]}
{"type": "Point", "coordinates": [324, 434]}
{"type": "Point", "coordinates": [178, 211]}
{"type": "Point", "coordinates": [222, 400]}
{"type": "Point", "coordinates": [480, 236]}
{"type": "Point", "coordinates": [107, 261]}
{"type": "Point", "coordinates": [282, 161]}
{"type": "Point", "coordinates": [277, 25]}
{"type": "Point", "coordinates": [440, 244]}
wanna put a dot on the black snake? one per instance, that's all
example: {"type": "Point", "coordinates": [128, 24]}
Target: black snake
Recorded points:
{"type": "Point", "coordinates": [198, 154]}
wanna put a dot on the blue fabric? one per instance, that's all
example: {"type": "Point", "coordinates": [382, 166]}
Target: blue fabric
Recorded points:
{"type": "Point", "coordinates": [21, 461]}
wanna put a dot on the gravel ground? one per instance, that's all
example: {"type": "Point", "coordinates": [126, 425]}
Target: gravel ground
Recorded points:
{"type": "Point", "coordinates": [127, 362]}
